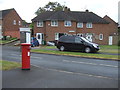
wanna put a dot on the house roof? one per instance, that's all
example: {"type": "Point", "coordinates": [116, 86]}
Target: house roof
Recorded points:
{"type": "Point", "coordinates": [70, 15]}
{"type": "Point", "coordinates": [109, 19]}
{"type": "Point", "coordinates": [3, 13]}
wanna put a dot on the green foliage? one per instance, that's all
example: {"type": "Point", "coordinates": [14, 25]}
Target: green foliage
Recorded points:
{"type": "Point", "coordinates": [40, 10]}
{"type": "Point", "coordinates": [78, 54]}
{"type": "Point", "coordinates": [118, 36]}
{"type": "Point", "coordinates": [7, 39]}
{"type": "Point", "coordinates": [51, 6]}
{"type": "Point", "coordinates": [119, 30]}
{"type": "Point", "coordinates": [104, 49]}
{"type": "Point", "coordinates": [24, 23]}
{"type": "Point", "coordinates": [119, 43]}
{"type": "Point", "coordinates": [32, 25]}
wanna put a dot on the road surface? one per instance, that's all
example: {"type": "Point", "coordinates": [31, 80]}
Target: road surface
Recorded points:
{"type": "Point", "coordinates": [55, 71]}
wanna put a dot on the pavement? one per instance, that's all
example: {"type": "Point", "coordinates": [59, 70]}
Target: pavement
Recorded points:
{"type": "Point", "coordinates": [46, 78]}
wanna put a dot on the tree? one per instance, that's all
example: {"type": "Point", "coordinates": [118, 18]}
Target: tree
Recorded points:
{"type": "Point", "coordinates": [51, 6]}
{"type": "Point", "coordinates": [31, 26]}
{"type": "Point", "coordinates": [24, 23]}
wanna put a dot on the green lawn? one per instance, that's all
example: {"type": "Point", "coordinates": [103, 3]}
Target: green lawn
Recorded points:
{"type": "Point", "coordinates": [3, 41]}
{"type": "Point", "coordinates": [104, 49]}
{"type": "Point", "coordinates": [7, 41]}
{"type": "Point", "coordinates": [7, 65]}
{"type": "Point", "coordinates": [109, 49]}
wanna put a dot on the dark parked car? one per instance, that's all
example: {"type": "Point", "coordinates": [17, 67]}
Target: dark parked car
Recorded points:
{"type": "Point", "coordinates": [76, 43]}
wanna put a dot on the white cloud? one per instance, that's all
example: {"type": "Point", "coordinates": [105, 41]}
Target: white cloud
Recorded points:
{"type": "Point", "coordinates": [27, 8]}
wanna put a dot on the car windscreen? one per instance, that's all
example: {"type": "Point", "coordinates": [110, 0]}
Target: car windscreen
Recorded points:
{"type": "Point", "coordinates": [85, 39]}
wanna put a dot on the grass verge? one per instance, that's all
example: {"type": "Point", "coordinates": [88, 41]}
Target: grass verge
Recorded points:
{"type": "Point", "coordinates": [109, 49]}
{"type": "Point", "coordinates": [103, 48]}
{"type": "Point", "coordinates": [7, 41]}
{"type": "Point", "coordinates": [7, 65]}
{"type": "Point", "coordinates": [79, 54]}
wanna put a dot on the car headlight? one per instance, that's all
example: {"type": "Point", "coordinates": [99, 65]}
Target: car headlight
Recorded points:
{"type": "Point", "coordinates": [95, 45]}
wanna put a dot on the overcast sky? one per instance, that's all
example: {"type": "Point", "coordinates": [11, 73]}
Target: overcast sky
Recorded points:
{"type": "Point", "coordinates": [27, 8]}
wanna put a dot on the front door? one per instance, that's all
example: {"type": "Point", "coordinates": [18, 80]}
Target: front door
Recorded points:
{"type": "Point", "coordinates": [110, 40]}
{"type": "Point", "coordinates": [89, 37]}
{"type": "Point", "coordinates": [58, 35]}
{"type": "Point", "coordinates": [39, 37]}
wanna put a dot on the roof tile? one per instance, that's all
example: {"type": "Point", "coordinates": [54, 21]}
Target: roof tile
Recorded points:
{"type": "Point", "coordinates": [70, 15]}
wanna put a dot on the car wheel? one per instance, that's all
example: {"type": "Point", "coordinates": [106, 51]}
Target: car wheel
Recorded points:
{"type": "Point", "coordinates": [62, 48]}
{"type": "Point", "coordinates": [87, 49]}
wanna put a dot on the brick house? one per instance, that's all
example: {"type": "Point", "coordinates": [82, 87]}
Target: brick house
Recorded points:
{"type": "Point", "coordinates": [0, 25]}
{"type": "Point", "coordinates": [10, 22]}
{"type": "Point", "coordinates": [50, 25]}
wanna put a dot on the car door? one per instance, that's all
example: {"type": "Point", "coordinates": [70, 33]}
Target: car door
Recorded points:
{"type": "Point", "coordinates": [69, 42]}
{"type": "Point", "coordinates": [79, 45]}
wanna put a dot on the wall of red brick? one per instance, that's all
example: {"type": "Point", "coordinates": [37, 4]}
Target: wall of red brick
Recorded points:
{"type": "Point", "coordinates": [8, 28]}
{"type": "Point", "coordinates": [1, 22]}
{"type": "Point", "coordinates": [113, 26]}
{"type": "Point", "coordinates": [51, 30]}
{"type": "Point", "coordinates": [15, 34]}
{"type": "Point", "coordinates": [105, 29]}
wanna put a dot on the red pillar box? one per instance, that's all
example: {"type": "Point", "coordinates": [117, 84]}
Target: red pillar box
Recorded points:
{"type": "Point", "coordinates": [25, 56]}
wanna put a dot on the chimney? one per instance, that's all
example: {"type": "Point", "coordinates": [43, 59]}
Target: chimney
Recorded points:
{"type": "Point", "coordinates": [66, 9]}
{"type": "Point", "coordinates": [87, 10]}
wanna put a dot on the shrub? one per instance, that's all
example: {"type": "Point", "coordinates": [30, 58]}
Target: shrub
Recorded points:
{"type": "Point", "coordinates": [119, 43]}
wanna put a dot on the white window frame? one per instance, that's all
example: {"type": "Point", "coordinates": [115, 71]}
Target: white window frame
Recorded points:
{"type": "Point", "coordinates": [56, 36]}
{"type": "Point", "coordinates": [89, 25]}
{"type": "Point", "coordinates": [14, 22]}
{"type": "Point", "coordinates": [54, 23]}
{"type": "Point", "coordinates": [79, 25]}
{"type": "Point", "coordinates": [67, 23]}
{"type": "Point", "coordinates": [39, 23]}
{"type": "Point", "coordinates": [100, 36]}
{"type": "Point", "coordinates": [0, 27]}
{"type": "Point", "coordinates": [19, 23]}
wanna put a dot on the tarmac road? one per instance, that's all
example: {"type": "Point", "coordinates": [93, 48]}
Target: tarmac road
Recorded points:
{"type": "Point", "coordinates": [52, 71]}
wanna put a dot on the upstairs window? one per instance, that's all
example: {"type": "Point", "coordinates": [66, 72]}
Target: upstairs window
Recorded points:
{"type": "Point", "coordinates": [79, 25]}
{"type": "Point", "coordinates": [67, 23]}
{"type": "Point", "coordinates": [89, 25]}
{"type": "Point", "coordinates": [14, 22]}
{"type": "Point", "coordinates": [54, 23]}
{"type": "Point", "coordinates": [39, 24]}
